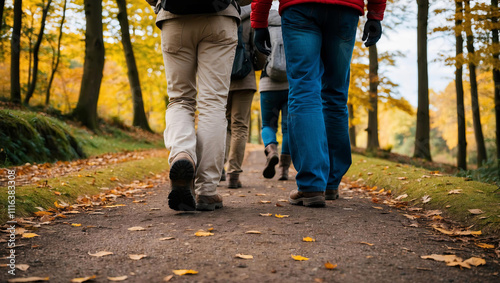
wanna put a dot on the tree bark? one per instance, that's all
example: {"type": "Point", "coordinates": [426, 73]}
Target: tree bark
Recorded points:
{"type": "Point", "coordinates": [352, 127]}
{"type": "Point", "coordinates": [462, 141]}
{"type": "Point", "coordinates": [36, 49]}
{"type": "Point", "coordinates": [496, 78]}
{"type": "Point", "coordinates": [140, 119]}
{"type": "Point", "coordinates": [58, 56]}
{"type": "Point", "coordinates": [372, 141]}
{"type": "Point", "coordinates": [15, 53]}
{"type": "Point", "coordinates": [86, 108]}
{"type": "Point", "coordinates": [422, 135]}
{"type": "Point", "coordinates": [476, 114]}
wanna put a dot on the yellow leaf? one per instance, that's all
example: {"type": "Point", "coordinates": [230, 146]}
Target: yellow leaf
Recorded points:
{"type": "Point", "coordinates": [266, 214]}
{"type": "Point", "coordinates": [244, 256]}
{"type": "Point", "coordinates": [83, 279]}
{"type": "Point", "coordinates": [62, 205]}
{"type": "Point", "coordinates": [253, 232]}
{"type": "Point", "coordinates": [210, 229]}
{"type": "Point", "coordinates": [119, 278]}
{"type": "Point", "coordinates": [136, 228]}
{"type": "Point", "coordinates": [329, 265]}
{"type": "Point", "coordinates": [264, 201]}
{"type": "Point", "coordinates": [381, 191]}
{"type": "Point", "coordinates": [166, 238]}
{"type": "Point", "coordinates": [308, 239]}
{"type": "Point", "coordinates": [137, 257]}
{"type": "Point", "coordinates": [112, 206]}
{"type": "Point", "coordinates": [299, 257]}
{"type": "Point", "coordinates": [42, 213]}
{"type": "Point", "coordinates": [76, 224]}
{"type": "Point", "coordinates": [28, 279]}
{"type": "Point", "coordinates": [203, 234]}
{"type": "Point", "coordinates": [476, 261]}
{"type": "Point", "coordinates": [485, 246]}
{"type": "Point", "coordinates": [181, 272]}
{"type": "Point", "coordinates": [113, 179]}
{"type": "Point", "coordinates": [281, 216]}
{"type": "Point", "coordinates": [458, 263]}
{"type": "Point", "coordinates": [57, 193]}
{"type": "Point", "coordinates": [30, 235]}
{"type": "Point", "coordinates": [167, 278]}
{"type": "Point", "coordinates": [445, 258]}
{"type": "Point", "coordinates": [101, 253]}
{"type": "Point", "coordinates": [260, 195]}
{"type": "Point", "coordinates": [367, 243]}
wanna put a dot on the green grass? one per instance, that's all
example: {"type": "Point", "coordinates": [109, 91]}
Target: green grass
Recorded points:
{"type": "Point", "coordinates": [420, 182]}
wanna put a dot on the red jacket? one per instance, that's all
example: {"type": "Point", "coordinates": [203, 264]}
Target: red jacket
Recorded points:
{"type": "Point", "coordinates": [260, 8]}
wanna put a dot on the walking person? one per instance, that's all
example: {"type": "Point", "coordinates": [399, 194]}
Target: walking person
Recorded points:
{"type": "Point", "coordinates": [198, 41]}
{"type": "Point", "coordinates": [273, 100]}
{"type": "Point", "coordinates": [319, 38]}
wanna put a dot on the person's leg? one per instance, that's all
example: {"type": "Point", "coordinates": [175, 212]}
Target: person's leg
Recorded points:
{"type": "Point", "coordinates": [285, 158]}
{"type": "Point", "coordinates": [269, 110]}
{"type": "Point", "coordinates": [229, 108]}
{"type": "Point", "coordinates": [215, 52]}
{"type": "Point", "coordinates": [339, 30]}
{"type": "Point", "coordinates": [306, 127]}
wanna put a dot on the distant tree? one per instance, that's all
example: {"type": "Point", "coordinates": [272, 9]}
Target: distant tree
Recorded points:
{"type": "Point", "coordinates": [496, 71]}
{"type": "Point", "coordinates": [462, 141]}
{"type": "Point", "coordinates": [140, 120]}
{"type": "Point", "coordinates": [372, 129]}
{"type": "Point", "coordinates": [86, 108]}
{"type": "Point", "coordinates": [422, 135]}
{"type": "Point", "coordinates": [476, 114]}
{"type": "Point", "coordinates": [15, 54]}
{"type": "Point", "coordinates": [2, 4]}
{"type": "Point", "coordinates": [57, 56]}
{"type": "Point", "coordinates": [352, 127]}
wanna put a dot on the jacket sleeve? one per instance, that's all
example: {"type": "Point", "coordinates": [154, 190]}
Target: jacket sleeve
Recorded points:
{"type": "Point", "coordinates": [376, 9]}
{"type": "Point", "coordinates": [260, 12]}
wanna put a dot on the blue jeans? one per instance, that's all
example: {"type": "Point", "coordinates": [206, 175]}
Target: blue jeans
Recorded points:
{"type": "Point", "coordinates": [271, 104]}
{"type": "Point", "coordinates": [319, 41]}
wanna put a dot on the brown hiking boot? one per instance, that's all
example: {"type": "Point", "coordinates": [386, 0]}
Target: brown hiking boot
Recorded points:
{"type": "Point", "coordinates": [234, 181]}
{"type": "Point", "coordinates": [182, 171]}
{"type": "Point", "coordinates": [309, 199]}
{"type": "Point", "coordinates": [271, 152]}
{"type": "Point", "coordinates": [285, 161]}
{"type": "Point", "coordinates": [208, 203]}
{"type": "Point", "coordinates": [331, 194]}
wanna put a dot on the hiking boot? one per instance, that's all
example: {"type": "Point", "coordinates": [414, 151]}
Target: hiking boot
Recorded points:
{"type": "Point", "coordinates": [182, 171]}
{"type": "Point", "coordinates": [285, 161]}
{"type": "Point", "coordinates": [208, 203]}
{"type": "Point", "coordinates": [309, 199]}
{"type": "Point", "coordinates": [331, 194]}
{"type": "Point", "coordinates": [234, 181]}
{"type": "Point", "coordinates": [223, 175]}
{"type": "Point", "coordinates": [271, 152]}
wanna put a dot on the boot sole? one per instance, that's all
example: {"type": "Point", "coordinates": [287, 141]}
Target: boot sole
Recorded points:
{"type": "Point", "coordinates": [318, 201]}
{"type": "Point", "coordinates": [208, 206]}
{"type": "Point", "coordinates": [270, 171]}
{"type": "Point", "coordinates": [181, 178]}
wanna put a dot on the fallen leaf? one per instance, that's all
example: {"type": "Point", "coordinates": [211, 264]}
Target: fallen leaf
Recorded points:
{"type": "Point", "coordinates": [457, 233]}
{"type": "Point", "coordinates": [181, 272]}
{"type": "Point", "coordinates": [203, 234]}
{"type": "Point", "coordinates": [22, 267]}
{"type": "Point", "coordinates": [281, 216]}
{"type": "Point", "coordinates": [485, 246]}
{"type": "Point", "coordinates": [113, 179]}
{"type": "Point", "coordinates": [167, 278]}
{"type": "Point", "coordinates": [115, 205]}
{"type": "Point", "coordinates": [366, 243]}
{"type": "Point", "coordinates": [445, 258]}
{"type": "Point", "coordinates": [476, 261]}
{"type": "Point", "coordinates": [452, 192]}
{"type": "Point", "coordinates": [377, 207]}
{"type": "Point", "coordinates": [29, 279]}
{"type": "Point", "coordinates": [260, 195]}
{"type": "Point", "coordinates": [244, 256]}
{"type": "Point", "coordinates": [411, 217]}
{"type": "Point", "coordinates": [433, 212]}
{"type": "Point", "coordinates": [283, 200]}
{"type": "Point", "coordinates": [264, 201]}
{"type": "Point", "coordinates": [253, 232]}
{"type": "Point", "coordinates": [402, 197]}
{"type": "Point", "coordinates": [166, 238]}
{"type": "Point", "coordinates": [308, 239]}
{"type": "Point", "coordinates": [266, 214]}
{"type": "Point", "coordinates": [83, 279]}
{"type": "Point", "coordinates": [76, 224]}
{"type": "Point", "coordinates": [57, 193]}
{"type": "Point", "coordinates": [426, 199]}
{"type": "Point", "coordinates": [101, 254]}
{"type": "Point", "coordinates": [63, 205]}
{"type": "Point", "coordinates": [136, 228]}
{"type": "Point", "coordinates": [458, 263]}
{"type": "Point", "coordinates": [42, 213]}
{"type": "Point", "coordinates": [30, 235]}
{"type": "Point", "coordinates": [137, 257]}
{"type": "Point", "coordinates": [329, 265]}
{"type": "Point", "coordinates": [476, 211]}
{"type": "Point", "coordinates": [299, 258]}
{"type": "Point", "coordinates": [119, 278]}
{"type": "Point", "coordinates": [402, 178]}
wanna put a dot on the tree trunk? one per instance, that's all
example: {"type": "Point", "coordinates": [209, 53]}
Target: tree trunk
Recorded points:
{"type": "Point", "coordinates": [422, 135]}
{"type": "Point", "coordinates": [2, 4]}
{"type": "Point", "coordinates": [496, 77]}
{"type": "Point", "coordinates": [15, 53]}
{"type": "Point", "coordinates": [462, 141]}
{"type": "Point", "coordinates": [86, 109]}
{"type": "Point", "coordinates": [476, 115]}
{"type": "Point", "coordinates": [58, 56]}
{"type": "Point", "coordinates": [372, 141]}
{"type": "Point", "coordinates": [352, 127]}
{"type": "Point", "coordinates": [140, 119]}
{"type": "Point", "coordinates": [36, 49]}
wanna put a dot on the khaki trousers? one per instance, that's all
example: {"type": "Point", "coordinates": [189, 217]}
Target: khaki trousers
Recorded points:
{"type": "Point", "coordinates": [198, 49]}
{"type": "Point", "coordinates": [239, 104]}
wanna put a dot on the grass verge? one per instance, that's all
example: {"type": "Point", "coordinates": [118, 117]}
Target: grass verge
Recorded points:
{"type": "Point", "coordinates": [418, 182]}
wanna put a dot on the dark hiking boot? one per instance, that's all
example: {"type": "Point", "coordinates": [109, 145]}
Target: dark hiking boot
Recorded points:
{"type": "Point", "coordinates": [208, 203]}
{"type": "Point", "coordinates": [223, 175]}
{"type": "Point", "coordinates": [272, 158]}
{"type": "Point", "coordinates": [285, 161]}
{"type": "Point", "coordinates": [309, 199]}
{"type": "Point", "coordinates": [234, 181]}
{"type": "Point", "coordinates": [331, 194]}
{"type": "Point", "coordinates": [181, 196]}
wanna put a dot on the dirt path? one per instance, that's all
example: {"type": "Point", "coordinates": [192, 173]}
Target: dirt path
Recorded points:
{"type": "Point", "coordinates": [368, 242]}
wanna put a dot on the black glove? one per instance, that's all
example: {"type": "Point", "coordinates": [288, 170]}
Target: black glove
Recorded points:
{"type": "Point", "coordinates": [372, 32]}
{"type": "Point", "coordinates": [262, 40]}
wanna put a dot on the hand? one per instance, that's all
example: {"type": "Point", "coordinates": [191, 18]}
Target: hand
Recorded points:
{"type": "Point", "coordinates": [262, 40]}
{"type": "Point", "coordinates": [372, 32]}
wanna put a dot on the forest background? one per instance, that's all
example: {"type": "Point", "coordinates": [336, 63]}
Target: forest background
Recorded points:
{"type": "Point", "coordinates": [52, 76]}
